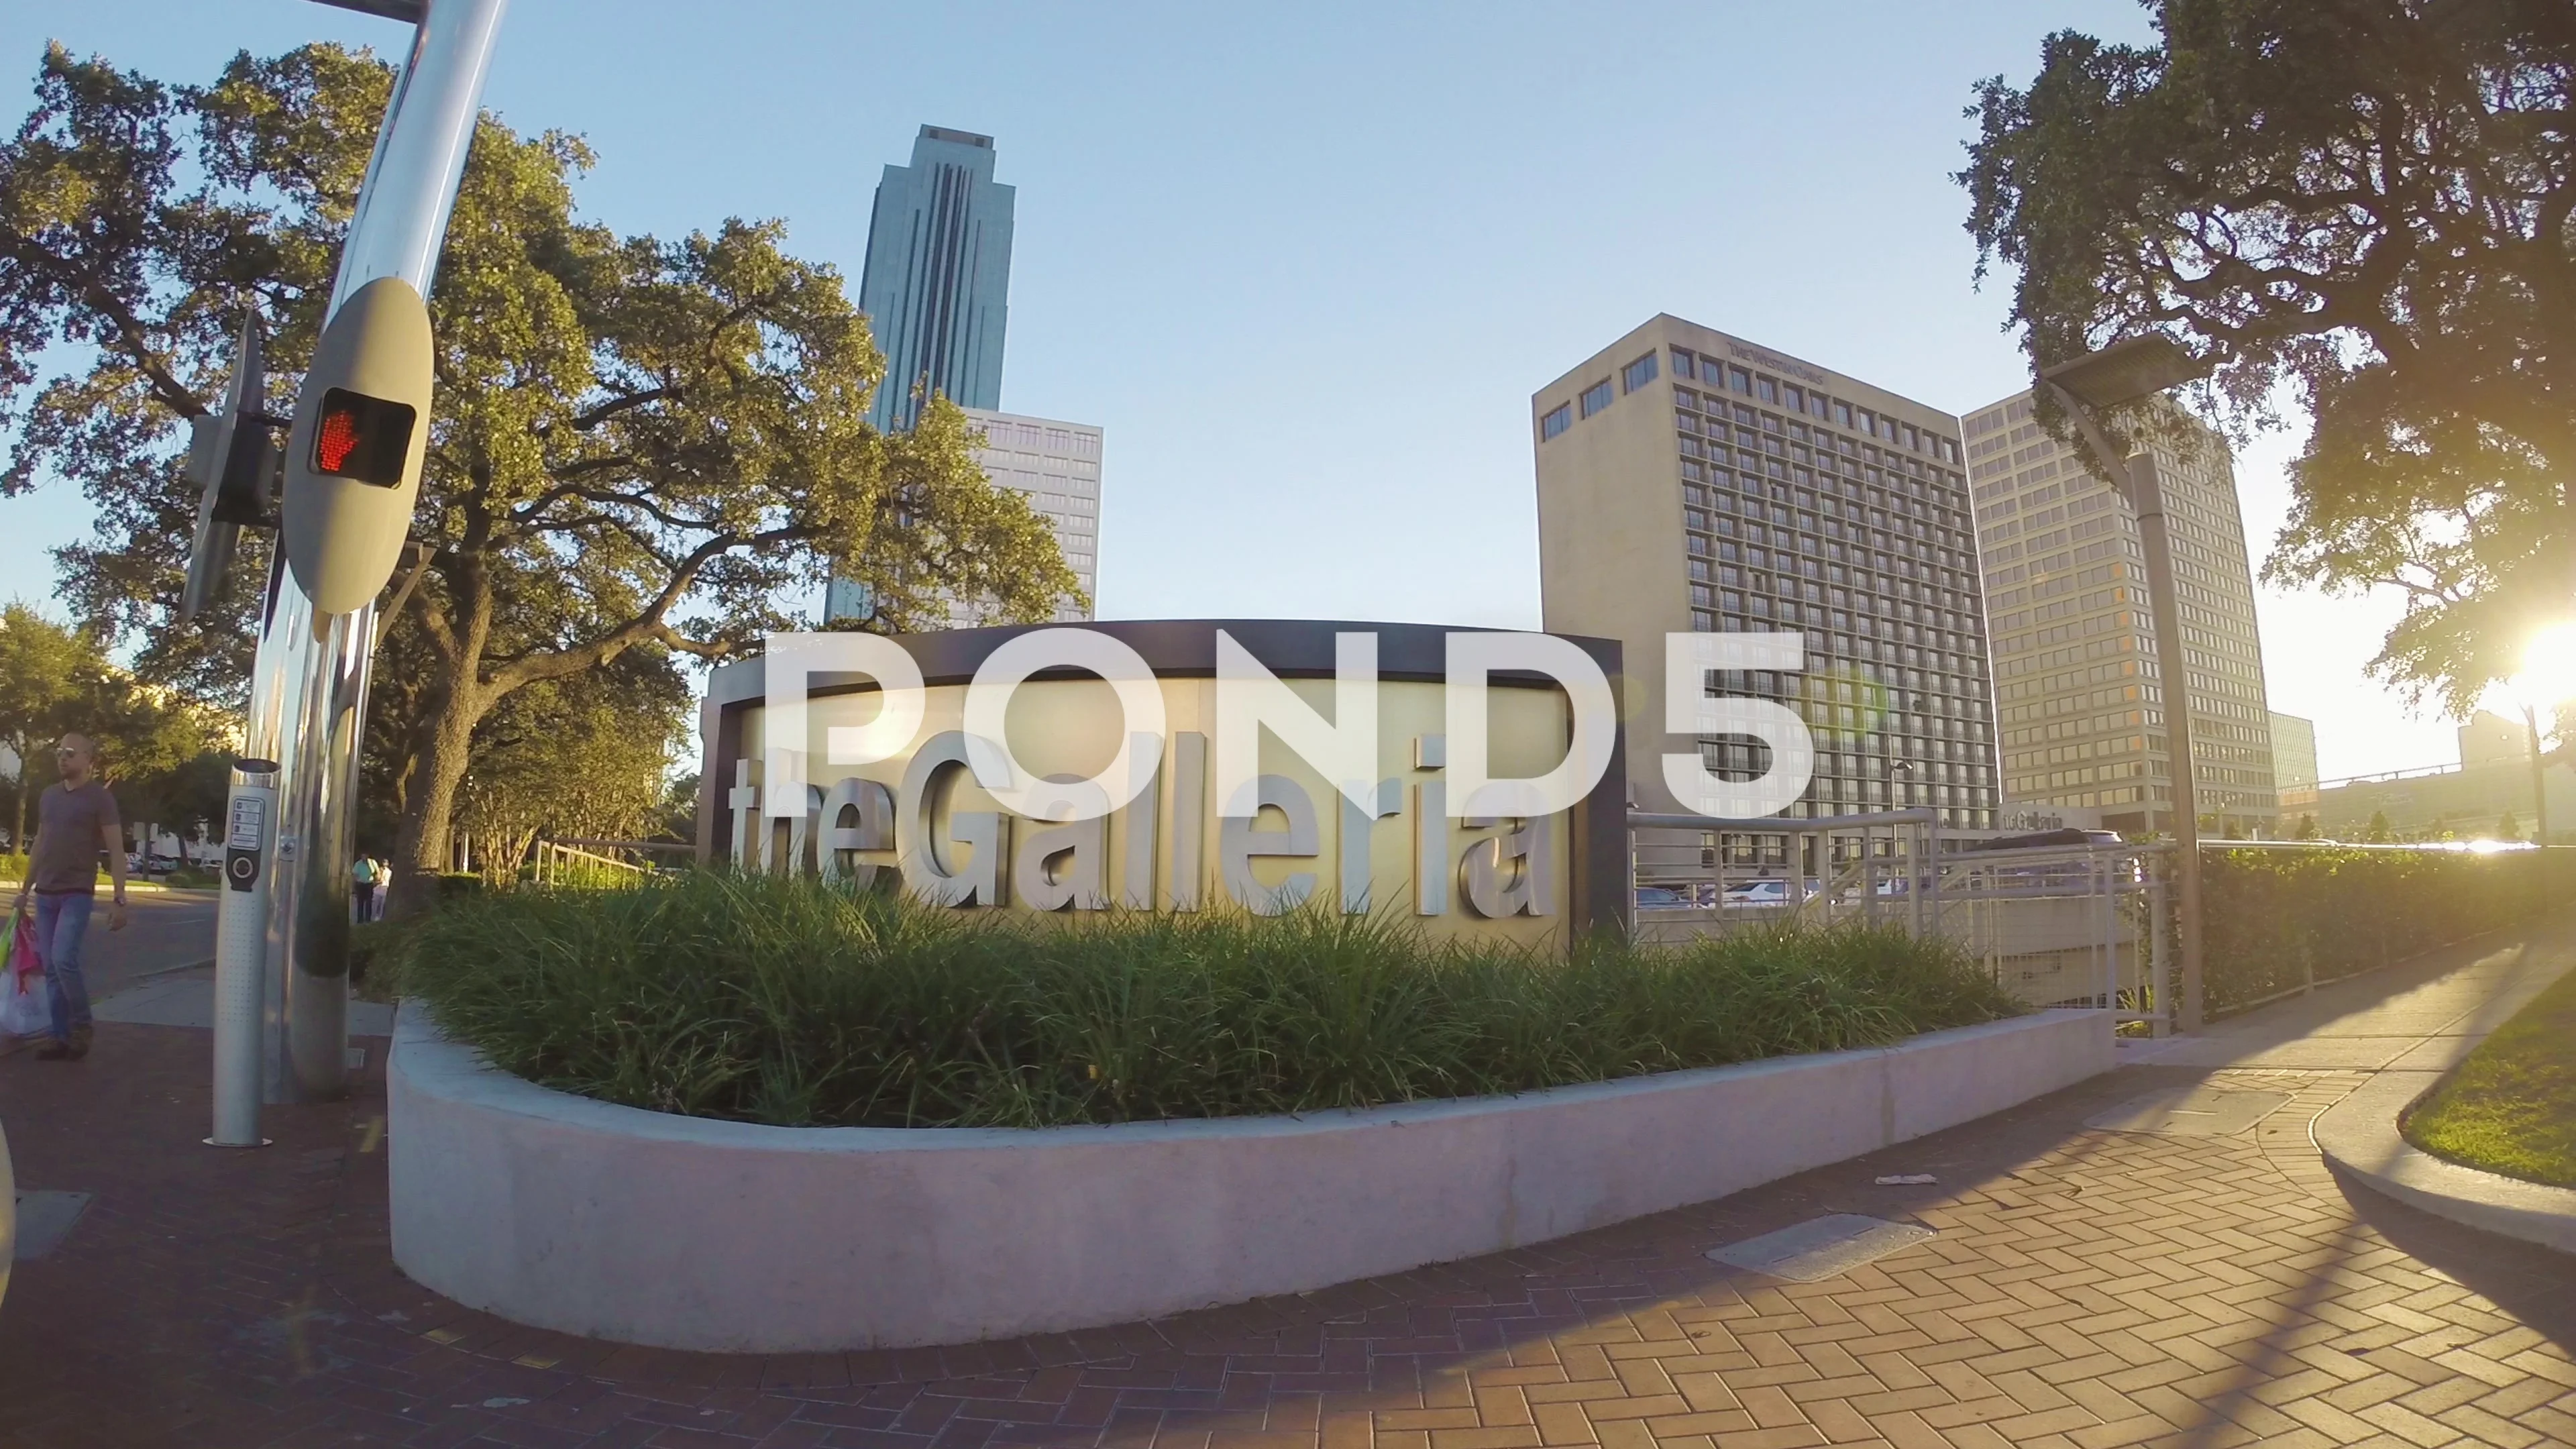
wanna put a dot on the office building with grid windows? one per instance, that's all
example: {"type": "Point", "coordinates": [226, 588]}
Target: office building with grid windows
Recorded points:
{"type": "Point", "coordinates": [1689, 480]}
{"type": "Point", "coordinates": [2079, 698]}
{"type": "Point", "coordinates": [1056, 466]}
{"type": "Point", "coordinates": [2294, 766]}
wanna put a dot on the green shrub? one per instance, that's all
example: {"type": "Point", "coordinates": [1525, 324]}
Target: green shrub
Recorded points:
{"type": "Point", "coordinates": [453, 884]}
{"type": "Point", "coordinates": [13, 869]}
{"type": "Point", "coordinates": [2274, 919]}
{"type": "Point", "coordinates": [783, 1001]}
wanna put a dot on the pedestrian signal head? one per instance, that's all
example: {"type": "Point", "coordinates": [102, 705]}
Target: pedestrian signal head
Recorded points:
{"type": "Point", "coordinates": [230, 459]}
{"type": "Point", "coordinates": [361, 437]}
{"type": "Point", "coordinates": [361, 431]}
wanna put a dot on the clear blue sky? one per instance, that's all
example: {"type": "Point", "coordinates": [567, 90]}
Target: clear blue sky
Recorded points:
{"type": "Point", "coordinates": [1306, 264]}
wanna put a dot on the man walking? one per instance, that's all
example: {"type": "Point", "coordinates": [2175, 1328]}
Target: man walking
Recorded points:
{"type": "Point", "coordinates": [75, 820]}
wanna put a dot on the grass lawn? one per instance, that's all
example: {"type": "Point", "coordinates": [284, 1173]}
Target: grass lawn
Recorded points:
{"type": "Point", "coordinates": [787, 1002]}
{"type": "Point", "coordinates": [2511, 1107]}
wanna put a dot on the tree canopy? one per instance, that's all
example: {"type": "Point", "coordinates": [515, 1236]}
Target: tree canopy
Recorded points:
{"type": "Point", "coordinates": [2364, 205]}
{"type": "Point", "coordinates": [54, 680]}
{"type": "Point", "coordinates": [637, 445]}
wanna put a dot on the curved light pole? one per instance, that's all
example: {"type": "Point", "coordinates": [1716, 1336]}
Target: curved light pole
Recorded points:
{"type": "Point", "coordinates": [309, 685]}
{"type": "Point", "coordinates": [2085, 386]}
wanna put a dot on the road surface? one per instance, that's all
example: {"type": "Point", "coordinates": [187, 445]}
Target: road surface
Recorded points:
{"type": "Point", "coordinates": [162, 931]}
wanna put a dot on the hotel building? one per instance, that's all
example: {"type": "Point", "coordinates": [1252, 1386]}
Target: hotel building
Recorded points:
{"type": "Point", "coordinates": [2294, 765]}
{"type": "Point", "coordinates": [2079, 698]}
{"type": "Point", "coordinates": [1690, 480]}
{"type": "Point", "coordinates": [1056, 466]}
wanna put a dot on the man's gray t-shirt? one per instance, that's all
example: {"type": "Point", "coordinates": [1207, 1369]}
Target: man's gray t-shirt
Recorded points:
{"type": "Point", "coordinates": [69, 826]}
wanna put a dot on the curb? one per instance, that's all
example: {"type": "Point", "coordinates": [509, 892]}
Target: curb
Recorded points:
{"type": "Point", "coordinates": [612, 1222]}
{"type": "Point", "coordinates": [2359, 1137]}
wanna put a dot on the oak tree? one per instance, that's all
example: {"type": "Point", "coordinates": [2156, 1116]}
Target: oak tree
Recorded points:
{"type": "Point", "coordinates": [637, 444]}
{"type": "Point", "coordinates": [56, 680]}
{"type": "Point", "coordinates": [2362, 207]}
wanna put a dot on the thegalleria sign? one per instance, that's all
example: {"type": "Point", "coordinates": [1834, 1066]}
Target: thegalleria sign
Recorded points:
{"type": "Point", "coordinates": [1464, 776]}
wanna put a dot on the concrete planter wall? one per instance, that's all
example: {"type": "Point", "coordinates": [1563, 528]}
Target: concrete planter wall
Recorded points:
{"type": "Point", "coordinates": [678, 1232]}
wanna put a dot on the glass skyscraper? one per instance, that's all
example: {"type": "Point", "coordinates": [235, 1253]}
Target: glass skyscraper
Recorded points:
{"type": "Point", "coordinates": [937, 282]}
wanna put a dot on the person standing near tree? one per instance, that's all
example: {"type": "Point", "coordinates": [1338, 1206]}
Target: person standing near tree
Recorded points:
{"type": "Point", "coordinates": [75, 820]}
{"type": "Point", "coordinates": [362, 882]}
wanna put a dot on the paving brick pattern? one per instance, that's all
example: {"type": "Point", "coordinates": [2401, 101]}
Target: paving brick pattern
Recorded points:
{"type": "Point", "coordinates": [2086, 1288]}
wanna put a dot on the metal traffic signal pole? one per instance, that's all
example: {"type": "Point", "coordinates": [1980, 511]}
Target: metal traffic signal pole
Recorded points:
{"type": "Point", "coordinates": [352, 474]}
{"type": "Point", "coordinates": [2125, 372]}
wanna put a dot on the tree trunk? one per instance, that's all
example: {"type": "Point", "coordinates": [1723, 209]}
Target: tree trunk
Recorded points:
{"type": "Point", "coordinates": [420, 844]}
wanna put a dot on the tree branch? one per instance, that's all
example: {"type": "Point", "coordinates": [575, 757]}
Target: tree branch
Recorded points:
{"type": "Point", "coordinates": [646, 626]}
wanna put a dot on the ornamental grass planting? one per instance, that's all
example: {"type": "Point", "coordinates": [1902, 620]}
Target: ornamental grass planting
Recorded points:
{"type": "Point", "coordinates": [785, 1001]}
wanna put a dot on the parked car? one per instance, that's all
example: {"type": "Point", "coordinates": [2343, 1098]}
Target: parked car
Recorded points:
{"type": "Point", "coordinates": [1767, 892]}
{"type": "Point", "coordinates": [1661, 898]}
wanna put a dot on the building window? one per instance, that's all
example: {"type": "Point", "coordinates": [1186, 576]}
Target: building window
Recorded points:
{"type": "Point", "coordinates": [1797, 401]}
{"type": "Point", "coordinates": [1682, 364]}
{"type": "Point", "coordinates": [1740, 380]}
{"type": "Point", "coordinates": [1843, 415]}
{"type": "Point", "coordinates": [1557, 421]}
{"type": "Point", "coordinates": [1767, 390]}
{"type": "Point", "coordinates": [1595, 397]}
{"type": "Point", "coordinates": [1637, 374]}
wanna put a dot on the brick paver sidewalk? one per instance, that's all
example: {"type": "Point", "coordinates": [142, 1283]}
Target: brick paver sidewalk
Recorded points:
{"type": "Point", "coordinates": [2086, 1288]}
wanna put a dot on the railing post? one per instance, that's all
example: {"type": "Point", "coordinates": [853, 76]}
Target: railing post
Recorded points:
{"type": "Point", "coordinates": [2160, 941]}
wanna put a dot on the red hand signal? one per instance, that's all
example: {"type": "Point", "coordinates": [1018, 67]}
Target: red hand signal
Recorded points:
{"type": "Point", "coordinates": [336, 441]}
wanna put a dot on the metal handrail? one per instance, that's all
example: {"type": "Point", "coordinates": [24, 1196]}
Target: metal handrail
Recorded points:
{"type": "Point", "coordinates": [1974, 857]}
{"type": "Point", "coordinates": [1782, 825]}
{"type": "Point", "coordinates": [1910, 871]}
{"type": "Point", "coordinates": [660, 845]}
{"type": "Point", "coordinates": [551, 856]}
{"type": "Point", "coordinates": [2448, 847]}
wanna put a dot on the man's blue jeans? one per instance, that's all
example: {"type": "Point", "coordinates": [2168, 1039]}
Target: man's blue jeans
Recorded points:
{"type": "Point", "coordinates": [61, 922]}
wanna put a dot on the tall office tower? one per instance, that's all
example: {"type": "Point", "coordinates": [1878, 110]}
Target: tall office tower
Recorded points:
{"type": "Point", "coordinates": [1057, 465]}
{"type": "Point", "coordinates": [1688, 480]}
{"type": "Point", "coordinates": [938, 276]}
{"type": "Point", "coordinates": [936, 291]}
{"type": "Point", "coordinates": [2079, 696]}
{"type": "Point", "coordinates": [2294, 765]}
